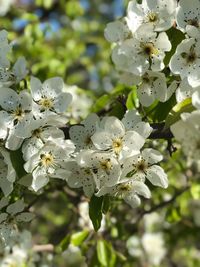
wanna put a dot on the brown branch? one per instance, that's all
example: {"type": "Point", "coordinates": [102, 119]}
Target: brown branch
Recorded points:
{"type": "Point", "coordinates": [163, 204]}
{"type": "Point", "coordinates": [160, 132]}
{"type": "Point", "coordinates": [43, 248]}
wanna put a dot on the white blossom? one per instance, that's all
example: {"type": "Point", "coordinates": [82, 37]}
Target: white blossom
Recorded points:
{"type": "Point", "coordinates": [186, 61]}
{"type": "Point", "coordinates": [154, 246]}
{"type": "Point", "coordinates": [187, 132]}
{"type": "Point", "coordinates": [14, 212]}
{"type": "Point", "coordinates": [40, 131]}
{"type": "Point", "coordinates": [159, 13]}
{"type": "Point", "coordinates": [81, 102]}
{"type": "Point", "coordinates": [16, 113]}
{"type": "Point", "coordinates": [188, 17]}
{"type": "Point", "coordinates": [143, 166]}
{"type": "Point", "coordinates": [128, 191]}
{"type": "Point", "coordinates": [105, 168]}
{"type": "Point", "coordinates": [48, 162]}
{"type": "Point", "coordinates": [49, 97]}
{"type": "Point", "coordinates": [145, 50]}
{"type": "Point", "coordinates": [81, 134]}
{"type": "Point", "coordinates": [114, 137]}
{"type": "Point", "coordinates": [5, 6]}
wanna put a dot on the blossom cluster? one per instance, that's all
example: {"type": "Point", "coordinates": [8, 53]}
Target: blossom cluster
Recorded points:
{"type": "Point", "coordinates": [103, 155]}
{"type": "Point", "coordinates": [110, 158]}
{"type": "Point", "coordinates": [142, 53]}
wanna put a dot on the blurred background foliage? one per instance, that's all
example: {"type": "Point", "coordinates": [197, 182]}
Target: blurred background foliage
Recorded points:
{"type": "Point", "coordinates": [65, 38]}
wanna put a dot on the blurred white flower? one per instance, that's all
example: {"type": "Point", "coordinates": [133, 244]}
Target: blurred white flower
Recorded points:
{"type": "Point", "coordinates": [5, 6]}
{"type": "Point", "coordinates": [81, 102]}
{"type": "Point", "coordinates": [154, 247]}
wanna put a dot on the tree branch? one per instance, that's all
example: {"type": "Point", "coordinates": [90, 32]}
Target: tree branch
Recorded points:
{"type": "Point", "coordinates": [162, 204]}
{"type": "Point", "coordinates": [160, 132]}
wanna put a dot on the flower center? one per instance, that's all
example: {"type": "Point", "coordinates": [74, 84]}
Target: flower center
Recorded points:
{"type": "Point", "coordinates": [149, 49]}
{"type": "Point", "coordinates": [141, 166]}
{"type": "Point", "coordinates": [117, 145]}
{"type": "Point", "coordinates": [47, 159]}
{"type": "Point", "coordinates": [46, 103]}
{"type": "Point", "coordinates": [87, 171]}
{"type": "Point", "coordinates": [124, 188]}
{"type": "Point", "coordinates": [106, 165]}
{"type": "Point", "coordinates": [37, 133]}
{"type": "Point", "coordinates": [88, 140]}
{"type": "Point", "coordinates": [190, 57]}
{"type": "Point", "coordinates": [198, 145]}
{"type": "Point", "coordinates": [18, 115]}
{"type": "Point", "coordinates": [193, 22]}
{"type": "Point", "coordinates": [152, 17]}
{"type": "Point", "coordinates": [146, 78]}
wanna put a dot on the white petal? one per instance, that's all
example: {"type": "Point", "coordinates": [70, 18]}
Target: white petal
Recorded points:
{"type": "Point", "coordinates": [196, 99]}
{"type": "Point", "coordinates": [133, 200]}
{"type": "Point", "coordinates": [25, 100]}
{"type": "Point", "coordinates": [16, 207]}
{"type": "Point", "coordinates": [62, 102]}
{"type": "Point", "coordinates": [151, 155]}
{"type": "Point", "coordinates": [36, 88]}
{"type": "Point", "coordinates": [25, 217]}
{"type": "Point", "coordinates": [52, 87]}
{"type": "Point", "coordinates": [157, 176]}
{"type": "Point", "coordinates": [9, 99]}
{"type": "Point", "coordinates": [6, 186]}
{"type": "Point", "coordinates": [39, 182]}
{"type": "Point", "coordinates": [19, 69]}
{"type": "Point", "coordinates": [3, 217]}
{"type": "Point", "coordinates": [130, 119]}
{"type": "Point", "coordinates": [116, 31]}
{"type": "Point", "coordinates": [4, 202]}
{"type": "Point", "coordinates": [146, 94]}
{"type": "Point", "coordinates": [143, 128]}
{"type": "Point", "coordinates": [141, 189]}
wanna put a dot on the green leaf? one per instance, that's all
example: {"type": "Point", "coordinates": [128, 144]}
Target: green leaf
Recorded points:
{"type": "Point", "coordinates": [162, 109]}
{"type": "Point", "coordinates": [120, 256]}
{"type": "Point", "coordinates": [101, 103]}
{"type": "Point", "coordinates": [105, 253]}
{"type": "Point", "coordinates": [195, 191]}
{"type": "Point", "coordinates": [64, 243]}
{"type": "Point", "coordinates": [117, 110]}
{"type": "Point", "coordinates": [132, 100]}
{"type": "Point", "coordinates": [78, 238]}
{"type": "Point", "coordinates": [18, 162]}
{"type": "Point", "coordinates": [173, 215]}
{"type": "Point", "coordinates": [177, 110]}
{"type": "Point", "coordinates": [102, 253]}
{"type": "Point", "coordinates": [95, 211]}
{"type": "Point", "coordinates": [175, 36]}
{"type": "Point", "coordinates": [106, 204]}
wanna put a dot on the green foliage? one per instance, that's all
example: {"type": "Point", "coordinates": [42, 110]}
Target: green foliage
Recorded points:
{"type": "Point", "coordinates": [95, 211]}
{"type": "Point", "coordinates": [177, 110]}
